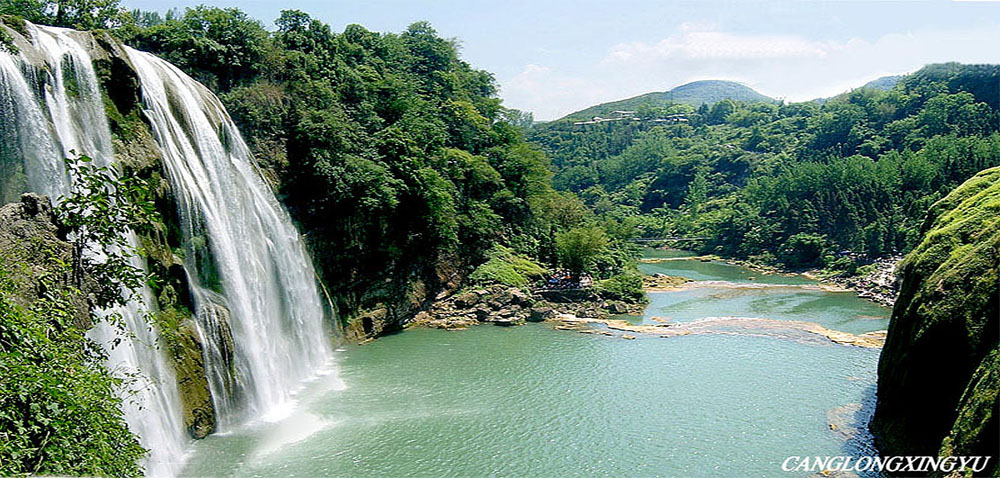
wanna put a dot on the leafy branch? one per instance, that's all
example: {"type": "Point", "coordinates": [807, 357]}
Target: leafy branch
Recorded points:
{"type": "Point", "coordinates": [101, 212]}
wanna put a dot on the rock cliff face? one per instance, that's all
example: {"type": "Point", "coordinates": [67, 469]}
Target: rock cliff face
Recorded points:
{"type": "Point", "coordinates": [939, 373]}
{"type": "Point", "coordinates": [33, 247]}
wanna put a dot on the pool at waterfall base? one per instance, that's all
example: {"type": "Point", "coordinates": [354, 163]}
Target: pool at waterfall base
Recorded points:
{"type": "Point", "coordinates": [535, 401]}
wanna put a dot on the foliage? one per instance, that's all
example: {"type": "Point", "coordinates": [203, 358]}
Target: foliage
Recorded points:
{"type": "Point", "coordinates": [59, 407]}
{"type": "Point", "coordinates": [219, 47]}
{"type": "Point", "coordinates": [579, 247]}
{"type": "Point", "coordinates": [103, 209]}
{"type": "Point", "coordinates": [625, 287]}
{"type": "Point", "coordinates": [803, 250]}
{"type": "Point", "coordinates": [750, 178]}
{"type": "Point", "coordinates": [6, 40]}
{"type": "Point", "coordinates": [508, 268]}
{"type": "Point", "coordinates": [80, 14]}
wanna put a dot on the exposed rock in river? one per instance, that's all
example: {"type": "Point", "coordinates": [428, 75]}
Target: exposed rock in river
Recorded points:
{"type": "Point", "coordinates": [788, 329]}
{"type": "Point", "coordinates": [661, 282]}
{"type": "Point", "coordinates": [506, 306]}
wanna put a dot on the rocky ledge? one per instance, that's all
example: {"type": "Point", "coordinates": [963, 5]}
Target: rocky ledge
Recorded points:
{"type": "Point", "coordinates": [662, 282]}
{"type": "Point", "coordinates": [880, 285]}
{"type": "Point", "coordinates": [507, 306]}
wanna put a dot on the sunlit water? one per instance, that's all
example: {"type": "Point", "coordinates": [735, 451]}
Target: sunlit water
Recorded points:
{"type": "Point", "coordinates": [741, 292]}
{"type": "Point", "coordinates": [534, 401]}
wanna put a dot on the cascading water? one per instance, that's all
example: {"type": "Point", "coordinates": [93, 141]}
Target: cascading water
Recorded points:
{"type": "Point", "coordinates": [52, 107]}
{"type": "Point", "coordinates": [259, 309]}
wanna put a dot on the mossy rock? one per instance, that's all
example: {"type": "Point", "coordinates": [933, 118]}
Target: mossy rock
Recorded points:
{"type": "Point", "coordinates": [938, 377]}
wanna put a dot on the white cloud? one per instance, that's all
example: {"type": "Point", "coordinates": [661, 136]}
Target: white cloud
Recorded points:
{"type": "Point", "coordinates": [546, 93]}
{"type": "Point", "coordinates": [700, 44]}
{"type": "Point", "coordinates": [785, 66]}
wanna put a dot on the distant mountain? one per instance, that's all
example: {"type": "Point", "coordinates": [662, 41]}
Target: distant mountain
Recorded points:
{"type": "Point", "coordinates": [695, 93]}
{"type": "Point", "coordinates": [885, 83]}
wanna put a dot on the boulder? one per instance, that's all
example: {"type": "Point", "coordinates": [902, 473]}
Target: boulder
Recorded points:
{"type": "Point", "coordinates": [508, 321]}
{"type": "Point", "coordinates": [518, 297]}
{"type": "Point", "coordinates": [617, 307]}
{"type": "Point", "coordinates": [466, 299]}
{"type": "Point", "coordinates": [482, 314]}
{"type": "Point", "coordinates": [540, 314]}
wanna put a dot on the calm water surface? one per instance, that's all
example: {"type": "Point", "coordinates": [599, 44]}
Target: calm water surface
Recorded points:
{"type": "Point", "coordinates": [533, 401]}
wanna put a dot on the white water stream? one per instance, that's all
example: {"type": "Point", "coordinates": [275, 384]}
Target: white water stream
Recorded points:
{"type": "Point", "coordinates": [53, 109]}
{"type": "Point", "coordinates": [259, 311]}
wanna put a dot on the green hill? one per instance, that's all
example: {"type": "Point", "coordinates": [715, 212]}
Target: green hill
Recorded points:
{"type": "Point", "coordinates": [695, 93]}
{"type": "Point", "coordinates": [884, 83]}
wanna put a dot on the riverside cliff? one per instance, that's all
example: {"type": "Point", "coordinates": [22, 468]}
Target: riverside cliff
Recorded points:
{"type": "Point", "coordinates": [939, 373]}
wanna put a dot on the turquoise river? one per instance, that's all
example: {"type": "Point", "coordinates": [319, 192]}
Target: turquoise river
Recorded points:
{"type": "Point", "coordinates": [535, 401]}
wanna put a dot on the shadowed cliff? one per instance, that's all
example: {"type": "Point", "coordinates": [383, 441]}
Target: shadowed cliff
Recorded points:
{"type": "Point", "coordinates": [939, 372]}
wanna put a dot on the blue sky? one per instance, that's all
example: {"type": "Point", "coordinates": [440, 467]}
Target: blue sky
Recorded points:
{"type": "Point", "coordinates": [555, 57]}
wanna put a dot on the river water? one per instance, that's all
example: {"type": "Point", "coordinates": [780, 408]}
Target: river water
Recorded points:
{"type": "Point", "coordinates": [535, 401]}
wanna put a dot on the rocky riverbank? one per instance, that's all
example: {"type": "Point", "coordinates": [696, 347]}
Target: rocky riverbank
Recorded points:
{"type": "Point", "coordinates": [879, 285]}
{"type": "Point", "coordinates": [507, 306]}
{"type": "Point", "coordinates": [877, 282]}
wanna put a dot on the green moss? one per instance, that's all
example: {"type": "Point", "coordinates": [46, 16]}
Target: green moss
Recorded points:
{"type": "Point", "coordinates": [180, 336]}
{"type": "Point", "coordinates": [124, 127]}
{"type": "Point", "coordinates": [943, 336]}
{"type": "Point", "coordinates": [7, 42]}
{"type": "Point", "coordinates": [15, 23]}
{"type": "Point", "coordinates": [508, 268]}
{"type": "Point", "coordinates": [6, 39]}
{"type": "Point", "coordinates": [977, 412]}
{"type": "Point", "coordinates": [70, 81]}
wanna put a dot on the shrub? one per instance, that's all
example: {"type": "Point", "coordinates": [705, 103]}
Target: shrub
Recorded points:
{"type": "Point", "coordinates": [626, 287]}
{"type": "Point", "coordinates": [579, 247]}
{"type": "Point", "coordinates": [59, 410]}
{"type": "Point", "coordinates": [508, 268]}
{"type": "Point", "coordinates": [803, 250]}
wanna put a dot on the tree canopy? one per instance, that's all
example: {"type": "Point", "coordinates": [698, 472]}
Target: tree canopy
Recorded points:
{"type": "Point", "coordinates": [793, 183]}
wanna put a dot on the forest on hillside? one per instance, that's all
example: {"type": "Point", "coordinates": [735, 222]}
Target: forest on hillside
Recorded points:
{"type": "Point", "coordinates": [395, 156]}
{"type": "Point", "coordinates": [802, 184]}
{"type": "Point", "coordinates": [408, 177]}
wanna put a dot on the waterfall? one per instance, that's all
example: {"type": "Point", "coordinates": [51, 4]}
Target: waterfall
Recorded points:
{"type": "Point", "coordinates": [52, 106]}
{"type": "Point", "coordinates": [258, 306]}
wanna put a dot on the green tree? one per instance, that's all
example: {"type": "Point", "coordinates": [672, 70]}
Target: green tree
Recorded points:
{"type": "Point", "coordinates": [60, 410]}
{"type": "Point", "coordinates": [101, 212]}
{"type": "Point", "coordinates": [80, 14]}
{"type": "Point", "coordinates": [579, 247]}
{"type": "Point", "coordinates": [697, 193]}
